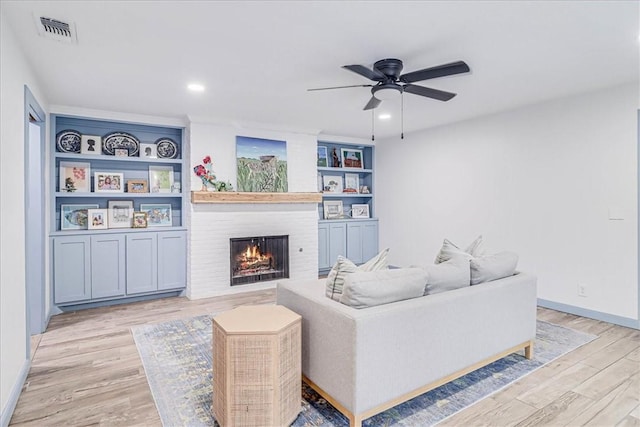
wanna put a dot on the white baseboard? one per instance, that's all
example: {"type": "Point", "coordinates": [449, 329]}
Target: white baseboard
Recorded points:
{"type": "Point", "coordinates": [591, 314]}
{"type": "Point", "coordinates": [14, 395]}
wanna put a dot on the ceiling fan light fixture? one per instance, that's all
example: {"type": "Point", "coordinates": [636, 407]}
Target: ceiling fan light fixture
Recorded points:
{"type": "Point", "coordinates": [387, 92]}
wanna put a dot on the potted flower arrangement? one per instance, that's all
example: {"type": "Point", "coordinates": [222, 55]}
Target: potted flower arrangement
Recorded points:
{"type": "Point", "coordinates": [208, 177]}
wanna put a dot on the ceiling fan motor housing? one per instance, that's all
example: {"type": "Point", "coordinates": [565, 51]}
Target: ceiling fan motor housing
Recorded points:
{"type": "Point", "coordinates": [389, 67]}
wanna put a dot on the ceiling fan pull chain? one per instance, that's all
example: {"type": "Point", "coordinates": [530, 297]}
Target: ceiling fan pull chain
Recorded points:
{"type": "Point", "coordinates": [373, 137]}
{"type": "Point", "coordinates": [402, 115]}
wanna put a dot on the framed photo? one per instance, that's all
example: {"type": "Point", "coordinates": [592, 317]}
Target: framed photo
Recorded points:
{"type": "Point", "coordinates": [97, 219]}
{"type": "Point", "coordinates": [149, 151]}
{"type": "Point", "coordinates": [75, 177]}
{"type": "Point", "coordinates": [75, 217]}
{"type": "Point", "coordinates": [160, 179]}
{"type": "Point", "coordinates": [139, 220]}
{"type": "Point", "coordinates": [91, 144]}
{"type": "Point", "coordinates": [121, 152]}
{"type": "Point", "coordinates": [158, 215]}
{"type": "Point", "coordinates": [351, 183]}
{"type": "Point", "coordinates": [137, 186]}
{"type": "Point", "coordinates": [332, 183]}
{"type": "Point", "coordinates": [359, 211]}
{"type": "Point", "coordinates": [352, 158]}
{"type": "Point", "coordinates": [333, 209]}
{"type": "Point", "coordinates": [120, 213]}
{"type": "Point", "coordinates": [108, 182]}
{"type": "Point", "coordinates": [323, 158]}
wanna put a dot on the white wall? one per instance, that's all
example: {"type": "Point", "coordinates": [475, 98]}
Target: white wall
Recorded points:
{"type": "Point", "coordinates": [15, 72]}
{"type": "Point", "coordinates": [539, 181]}
{"type": "Point", "coordinates": [211, 226]}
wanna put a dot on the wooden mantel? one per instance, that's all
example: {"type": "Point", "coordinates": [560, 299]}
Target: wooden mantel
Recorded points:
{"type": "Point", "coordinates": [235, 197]}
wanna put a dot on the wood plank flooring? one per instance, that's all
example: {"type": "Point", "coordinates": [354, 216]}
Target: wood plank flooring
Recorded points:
{"type": "Point", "coordinates": [86, 371]}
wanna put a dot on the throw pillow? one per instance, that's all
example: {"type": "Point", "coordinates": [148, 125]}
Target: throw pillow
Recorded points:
{"type": "Point", "coordinates": [449, 275]}
{"type": "Point", "coordinates": [343, 267]}
{"type": "Point", "coordinates": [371, 288]}
{"type": "Point", "coordinates": [450, 250]}
{"type": "Point", "coordinates": [493, 267]}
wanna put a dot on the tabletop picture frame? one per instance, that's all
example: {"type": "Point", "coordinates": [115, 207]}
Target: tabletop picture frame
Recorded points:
{"type": "Point", "coordinates": [158, 214]}
{"type": "Point", "coordinates": [352, 158]}
{"type": "Point", "coordinates": [120, 213]}
{"type": "Point", "coordinates": [333, 209]}
{"type": "Point", "coordinates": [160, 179]}
{"type": "Point", "coordinates": [359, 211]}
{"type": "Point", "coordinates": [98, 219]}
{"type": "Point", "coordinates": [75, 217]}
{"type": "Point", "coordinates": [75, 177]}
{"type": "Point", "coordinates": [108, 182]}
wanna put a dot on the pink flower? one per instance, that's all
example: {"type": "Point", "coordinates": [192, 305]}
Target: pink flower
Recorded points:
{"type": "Point", "coordinates": [207, 160]}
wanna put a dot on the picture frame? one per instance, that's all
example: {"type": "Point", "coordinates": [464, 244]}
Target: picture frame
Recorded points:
{"type": "Point", "coordinates": [120, 213]}
{"type": "Point", "coordinates": [158, 214]}
{"type": "Point", "coordinates": [351, 183]}
{"type": "Point", "coordinates": [360, 211]}
{"type": "Point", "coordinates": [323, 156]}
{"type": "Point", "coordinates": [332, 183]}
{"type": "Point", "coordinates": [98, 219]}
{"type": "Point", "coordinates": [75, 217]}
{"type": "Point", "coordinates": [333, 209]}
{"type": "Point", "coordinates": [140, 220]}
{"type": "Point", "coordinates": [75, 177]}
{"type": "Point", "coordinates": [352, 158]}
{"type": "Point", "coordinates": [121, 152]}
{"type": "Point", "coordinates": [108, 182]}
{"type": "Point", "coordinates": [160, 179]}
{"type": "Point", "coordinates": [137, 186]}
{"type": "Point", "coordinates": [91, 144]}
{"type": "Point", "coordinates": [149, 151]}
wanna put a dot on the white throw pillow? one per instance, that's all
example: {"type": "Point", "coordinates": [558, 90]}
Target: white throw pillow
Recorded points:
{"type": "Point", "coordinates": [493, 267]}
{"type": "Point", "coordinates": [343, 267]}
{"type": "Point", "coordinates": [449, 250]}
{"type": "Point", "coordinates": [371, 288]}
{"type": "Point", "coordinates": [447, 276]}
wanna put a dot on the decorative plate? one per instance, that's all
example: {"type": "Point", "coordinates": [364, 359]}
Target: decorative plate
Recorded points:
{"type": "Point", "coordinates": [68, 141]}
{"type": "Point", "coordinates": [167, 148]}
{"type": "Point", "coordinates": [120, 140]}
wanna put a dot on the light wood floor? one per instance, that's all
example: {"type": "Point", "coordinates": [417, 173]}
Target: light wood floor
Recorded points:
{"type": "Point", "coordinates": [86, 371]}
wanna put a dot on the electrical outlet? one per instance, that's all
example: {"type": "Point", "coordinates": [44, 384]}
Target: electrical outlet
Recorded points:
{"type": "Point", "coordinates": [582, 290]}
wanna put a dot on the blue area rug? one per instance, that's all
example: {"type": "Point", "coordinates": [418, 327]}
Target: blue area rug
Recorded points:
{"type": "Point", "coordinates": [177, 360]}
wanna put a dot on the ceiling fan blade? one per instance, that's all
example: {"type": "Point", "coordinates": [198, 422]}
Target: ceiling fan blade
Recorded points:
{"type": "Point", "coordinates": [373, 103]}
{"type": "Point", "coordinates": [429, 92]}
{"type": "Point", "coordinates": [338, 87]}
{"type": "Point", "coordinates": [433, 72]}
{"type": "Point", "coordinates": [374, 75]}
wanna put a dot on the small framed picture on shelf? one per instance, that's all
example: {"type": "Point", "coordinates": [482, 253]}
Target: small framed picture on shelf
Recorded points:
{"type": "Point", "coordinates": [332, 183]}
{"type": "Point", "coordinates": [323, 157]}
{"type": "Point", "coordinates": [120, 213]}
{"type": "Point", "coordinates": [108, 182]}
{"type": "Point", "coordinates": [139, 220]}
{"type": "Point", "coordinates": [97, 219]}
{"type": "Point", "coordinates": [75, 177]}
{"type": "Point", "coordinates": [149, 151]}
{"type": "Point", "coordinates": [352, 158]}
{"type": "Point", "coordinates": [360, 211]}
{"type": "Point", "coordinates": [91, 144]}
{"type": "Point", "coordinates": [121, 152]}
{"type": "Point", "coordinates": [160, 179]}
{"type": "Point", "coordinates": [75, 217]}
{"type": "Point", "coordinates": [158, 215]}
{"type": "Point", "coordinates": [333, 209]}
{"type": "Point", "coordinates": [351, 183]}
{"type": "Point", "coordinates": [137, 186]}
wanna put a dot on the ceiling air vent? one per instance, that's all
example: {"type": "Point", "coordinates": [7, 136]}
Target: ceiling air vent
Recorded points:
{"type": "Point", "coordinates": [56, 30]}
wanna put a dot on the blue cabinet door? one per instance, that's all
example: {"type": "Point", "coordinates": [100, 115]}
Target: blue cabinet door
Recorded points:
{"type": "Point", "coordinates": [71, 269]}
{"type": "Point", "coordinates": [323, 247]}
{"type": "Point", "coordinates": [369, 240]}
{"type": "Point", "coordinates": [337, 240]}
{"type": "Point", "coordinates": [107, 265]}
{"type": "Point", "coordinates": [142, 263]}
{"type": "Point", "coordinates": [172, 260]}
{"type": "Point", "coordinates": [354, 242]}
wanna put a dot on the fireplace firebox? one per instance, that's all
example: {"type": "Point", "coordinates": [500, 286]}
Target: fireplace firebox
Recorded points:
{"type": "Point", "coordinates": [257, 259]}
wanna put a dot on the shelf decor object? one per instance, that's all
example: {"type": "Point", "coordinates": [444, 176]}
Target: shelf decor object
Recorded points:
{"type": "Point", "coordinates": [323, 157]}
{"type": "Point", "coordinates": [75, 176]}
{"type": "Point", "coordinates": [359, 211]}
{"type": "Point", "coordinates": [352, 158]}
{"type": "Point", "coordinates": [108, 182]}
{"type": "Point", "coordinates": [75, 217]}
{"type": "Point", "coordinates": [120, 140]}
{"type": "Point", "coordinates": [261, 165]}
{"type": "Point", "coordinates": [137, 186]}
{"type": "Point", "coordinates": [333, 209]}
{"type": "Point", "coordinates": [68, 141]}
{"type": "Point", "coordinates": [120, 213]}
{"type": "Point", "coordinates": [91, 144]}
{"type": "Point", "coordinates": [206, 174]}
{"type": "Point", "coordinates": [160, 178]}
{"type": "Point", "coordinates": [166, 148]}
{"type": "Point", "coordinates": [140, 220]}
{"type": "Point", "coordinates": [97, 219]}
{"type": "Point", "coordinates": [158, 215]}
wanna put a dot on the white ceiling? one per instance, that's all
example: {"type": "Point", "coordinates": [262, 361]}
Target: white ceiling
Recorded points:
{"type": "Point", "coordinates": [257, 59]}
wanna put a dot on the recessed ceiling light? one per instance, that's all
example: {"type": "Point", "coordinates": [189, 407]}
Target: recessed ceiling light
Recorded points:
{"type": "Point", "coordinates": [384, 116]}
{"type": "Point", "coordinates": [195, 87]}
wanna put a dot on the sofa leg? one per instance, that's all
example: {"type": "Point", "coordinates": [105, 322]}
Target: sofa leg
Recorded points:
{"type": "Point", "coordinates": [528, 351]}
{"type": "Point", "coordinates": [355, 421]}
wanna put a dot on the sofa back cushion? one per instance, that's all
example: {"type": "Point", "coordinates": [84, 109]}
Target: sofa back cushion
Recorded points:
{"type": "Point", "coordinates": [450, 250]}
{"type": "Point", "coordinates": [371, 288]}
{"type": "Point", "coordinates": [493, 267]}
{"type": "Point", "coordinates": [344, 267]}
{"type": "Point", "coordinates": [448, 275]}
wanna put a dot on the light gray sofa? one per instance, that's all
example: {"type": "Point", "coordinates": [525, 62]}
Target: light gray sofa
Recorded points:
{"type": "Point", "coordinates": [364, 361]}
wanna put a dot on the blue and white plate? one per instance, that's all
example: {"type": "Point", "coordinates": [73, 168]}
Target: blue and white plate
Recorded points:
{"type": "Point", "coordinates": [167, 148]}
{"type": "Point", "coordinates": [115, 140]}
{"type": "Point", "coordinates": [68, 141]}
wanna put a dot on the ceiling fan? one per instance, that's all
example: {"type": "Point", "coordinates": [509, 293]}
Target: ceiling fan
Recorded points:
{"type": "Point", "coordinates": [390, 82]}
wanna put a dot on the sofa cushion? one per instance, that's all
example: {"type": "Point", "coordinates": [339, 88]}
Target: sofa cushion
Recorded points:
{"type": "Point", "coordinates": [447, 276]}
{"type": "Point", "coordinates": [371, 288]}
{"type": "Point", "coordinates": [344, 266]}
{"type": "Point", "coordinates": [449, 249]}
{"type": "Point", "coordinates": [493, 267]}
